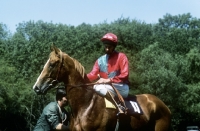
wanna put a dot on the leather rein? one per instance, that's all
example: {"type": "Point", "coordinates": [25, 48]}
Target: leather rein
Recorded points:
{"type": "Point", "coordinates": [54, 82]}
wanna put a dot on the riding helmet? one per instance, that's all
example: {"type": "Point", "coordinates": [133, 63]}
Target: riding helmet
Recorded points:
{"type": "Point", "coordinates": [110, 37]}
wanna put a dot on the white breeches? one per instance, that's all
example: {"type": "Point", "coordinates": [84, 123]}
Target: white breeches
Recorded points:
{"type": "Point", "coordinates": [102, 89]}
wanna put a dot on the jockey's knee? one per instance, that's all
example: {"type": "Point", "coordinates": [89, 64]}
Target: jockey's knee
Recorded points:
{"type": "Point", "coordinates": [100, 89]}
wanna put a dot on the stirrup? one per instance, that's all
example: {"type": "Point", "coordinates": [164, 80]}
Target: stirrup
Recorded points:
{"type": "Point", "coordinates": [123, 109]}
{"type": "Point", "coordinates": [120, 114]}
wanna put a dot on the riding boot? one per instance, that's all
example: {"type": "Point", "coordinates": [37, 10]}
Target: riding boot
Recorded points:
{"type": "Point", "coordinates": [112, 100]}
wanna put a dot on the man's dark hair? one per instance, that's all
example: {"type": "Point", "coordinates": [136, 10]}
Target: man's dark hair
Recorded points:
{"type": "Point", "coordinates": [60, 94]}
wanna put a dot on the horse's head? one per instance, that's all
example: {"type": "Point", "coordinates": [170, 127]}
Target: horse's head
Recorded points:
{"type": "Point", "coordinates": [51, 72]}
{"type": "Point", "coordinates": [59, 67]}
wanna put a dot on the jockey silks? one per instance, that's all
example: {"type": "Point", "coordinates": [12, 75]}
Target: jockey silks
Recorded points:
{"type": "Point", "coordinates": [114, 66]}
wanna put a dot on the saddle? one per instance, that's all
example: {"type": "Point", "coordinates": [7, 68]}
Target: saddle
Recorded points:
{"type": "Point", "coordinates": [132, 106]}
{"type": "Point", "coordinates": [129, 105]}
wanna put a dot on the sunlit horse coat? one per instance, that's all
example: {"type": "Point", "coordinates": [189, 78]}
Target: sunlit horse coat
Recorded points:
{"type": "Point", "coordinates": [89, 112]}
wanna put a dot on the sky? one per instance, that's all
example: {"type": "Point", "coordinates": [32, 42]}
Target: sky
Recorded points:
{"type": "Point", "coordinates": [76, 12]}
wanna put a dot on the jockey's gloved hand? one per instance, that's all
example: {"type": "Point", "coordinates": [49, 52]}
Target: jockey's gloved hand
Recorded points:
{"type": "Point", "coordinates": [103, 80]}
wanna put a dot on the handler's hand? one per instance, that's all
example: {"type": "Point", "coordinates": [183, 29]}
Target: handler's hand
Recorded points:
{"type": "Point", "coordinates": [102, 80]}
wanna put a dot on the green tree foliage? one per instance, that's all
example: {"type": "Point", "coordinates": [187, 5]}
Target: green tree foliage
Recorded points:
{"type": "Point", "coordinates": [164, 60]}
{"type": "Point", "coordinates": [4, 36]}
{"type": "Point", "coordinates": [157, 74]}
{"type": "Point", "coordinates": [20, 107]}
{"type": "Point", "coordinates": [133, 34]}
{"type": "Point", "coordinates": [193, 66]}
{"type": "Point", "coordinates": [14, 96]}
{"type": "Point", "coordinates": [177, 34]}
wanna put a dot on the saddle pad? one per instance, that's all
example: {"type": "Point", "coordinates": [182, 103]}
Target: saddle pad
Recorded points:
{"type": "Point", "coordinates": [109, 104]}
{"type": "Point", "coordinates": [133, 107]}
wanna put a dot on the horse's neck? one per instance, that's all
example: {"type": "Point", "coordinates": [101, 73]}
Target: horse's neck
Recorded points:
{"type": "Point", "coordinates": [79, 84]}
{"type": "Point", "coordinates": [75, 72]}
{"type": "Point", "coordinates": [78, 97]}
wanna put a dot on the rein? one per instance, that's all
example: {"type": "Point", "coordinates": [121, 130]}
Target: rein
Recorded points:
{"type": "Point", "coordinates": [91, 84]}
{"type": "Point", "coordinates": [54, 82]}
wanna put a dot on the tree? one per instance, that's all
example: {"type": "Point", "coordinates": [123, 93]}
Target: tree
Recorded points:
{"type": "Point", "coordinates": [178, 34]}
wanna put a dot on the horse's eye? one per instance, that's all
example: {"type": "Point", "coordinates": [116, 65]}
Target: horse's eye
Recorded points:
{"type": "Point", "coordinates": [51, 65]}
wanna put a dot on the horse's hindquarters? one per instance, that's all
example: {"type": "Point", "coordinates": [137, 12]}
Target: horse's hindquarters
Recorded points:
{"type": "Point", "coordinates": [156, 115]}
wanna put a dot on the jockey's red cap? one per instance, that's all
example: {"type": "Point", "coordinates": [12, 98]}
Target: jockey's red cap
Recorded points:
{"type": "Point", "coordinates": [110, 37]}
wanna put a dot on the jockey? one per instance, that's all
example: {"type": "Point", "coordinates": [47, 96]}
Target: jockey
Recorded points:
{"type": "Point", "coordinates": [111, 68]}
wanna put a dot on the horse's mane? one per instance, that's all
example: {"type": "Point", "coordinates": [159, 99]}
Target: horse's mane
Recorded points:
{"type": "Point", "coordinates": [79, 67]}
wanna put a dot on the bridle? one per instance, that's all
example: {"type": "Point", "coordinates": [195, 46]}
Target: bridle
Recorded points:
{"type": "Point", "coordinates": [55, 82]}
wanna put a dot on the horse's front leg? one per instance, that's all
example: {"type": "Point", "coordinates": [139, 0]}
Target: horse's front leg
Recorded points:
{"type": "Point", "coordinates": [75, 125]}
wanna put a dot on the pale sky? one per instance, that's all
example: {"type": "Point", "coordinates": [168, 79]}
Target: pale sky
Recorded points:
{"type": "Point", "coordinates": [76, 12]}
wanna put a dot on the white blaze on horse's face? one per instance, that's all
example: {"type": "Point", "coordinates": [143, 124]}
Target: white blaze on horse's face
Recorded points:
{"type": "Point", "coordinates": [40, 86]}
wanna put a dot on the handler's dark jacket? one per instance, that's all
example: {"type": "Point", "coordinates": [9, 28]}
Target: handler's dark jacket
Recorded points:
{"type": "Point", "coordinates": [51, 117]}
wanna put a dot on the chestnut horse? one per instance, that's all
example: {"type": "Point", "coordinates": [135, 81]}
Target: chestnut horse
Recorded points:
{"type": "Point", "coordinates": [89, 112]}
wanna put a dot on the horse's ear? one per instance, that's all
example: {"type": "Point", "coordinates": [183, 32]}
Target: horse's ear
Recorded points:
{"type": "Point", "coordinates": [54, 48]}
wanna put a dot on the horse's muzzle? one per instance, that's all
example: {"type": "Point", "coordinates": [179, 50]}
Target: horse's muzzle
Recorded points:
{"type": "Point", "coordinates": [37, 90]}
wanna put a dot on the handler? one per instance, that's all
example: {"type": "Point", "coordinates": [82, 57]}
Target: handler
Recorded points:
{"type": "Point", "coordinates": [54, 116]}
